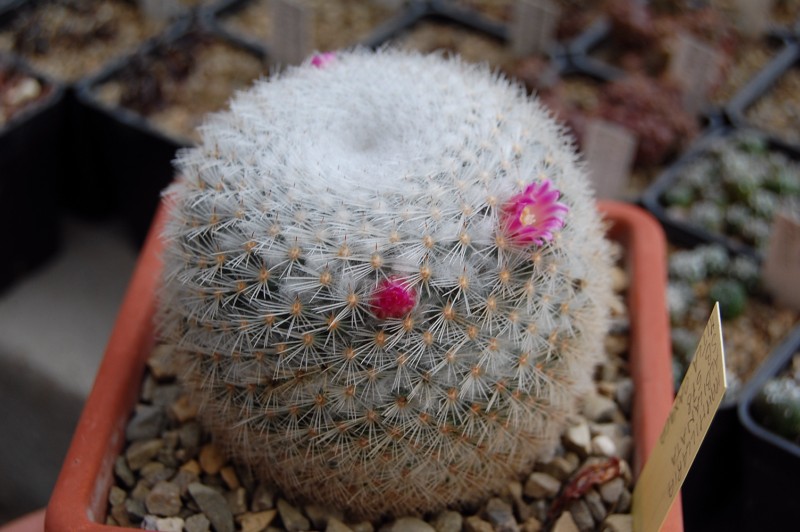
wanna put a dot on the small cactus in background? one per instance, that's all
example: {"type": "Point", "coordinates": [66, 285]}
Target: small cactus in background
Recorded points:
{"type": "Point", "coordinates": [777, 407]}
{"type": "Point", "coordinates": [387, 280]}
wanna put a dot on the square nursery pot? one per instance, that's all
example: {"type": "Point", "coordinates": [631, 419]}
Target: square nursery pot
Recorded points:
{"type": "Point", "coordinates": [135, 124]}
{"type": "Point", "coordinates": [771, 461]}
{"type": "Point", "coordinates": [771, 101]}
{"type": "Point", "coordinates": [695, 206]}
{"type": "Point", "coordinates": [752, 328]}
{"type": "Point", "coordinates": [458, 29]}
{"type": "Point", "coordinates": [30, 168]}
{"type": "Point", "coordinates": [608, 47]}
{"type": "Point", "coordinates": [714, 483]}
{"type": "Point", "coordinates": [354, 23]}
{"type": "Point", "coordinates": [79, 500]}
{"type": "Point", "coordinates": [68, 42]}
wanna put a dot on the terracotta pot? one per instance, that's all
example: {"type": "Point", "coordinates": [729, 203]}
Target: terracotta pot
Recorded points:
{"type": "Point", "coordinates": [79, 500]}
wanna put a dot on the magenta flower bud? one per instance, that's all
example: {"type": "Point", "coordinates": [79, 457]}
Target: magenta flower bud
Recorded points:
{"type": "Point", "coordinates": [393, 299]}
{"type": "Point", "coordinates": [533, 215]}
{"type": "Point", "coordinates": [324, 59]}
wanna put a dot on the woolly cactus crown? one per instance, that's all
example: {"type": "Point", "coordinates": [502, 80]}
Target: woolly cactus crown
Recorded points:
{"type": "Point", "coordinates": [388, 280]}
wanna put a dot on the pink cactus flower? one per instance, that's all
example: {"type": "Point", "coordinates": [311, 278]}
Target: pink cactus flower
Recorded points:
{"type": "Point", "coordinates": [533, 215]}
{"type": "Point", "coordinates": [324, 59]}
{"type": "Point", "coordinates": [393, 299]}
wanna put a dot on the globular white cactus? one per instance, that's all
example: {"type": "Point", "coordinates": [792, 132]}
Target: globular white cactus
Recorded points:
{"type": "Point", "coordinates": [387, 279]}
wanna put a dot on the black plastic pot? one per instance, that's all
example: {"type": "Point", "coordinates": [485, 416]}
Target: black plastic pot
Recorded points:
{"type": "Point", "coordinates": [712, 488]}
{"type": "Point", "coordinates": [684, 232]}
{"type": "Point", "coordinates": [31, 160]}
{"type": "Point", "coordinates": [83, 191]}
{"type": "Point", "coordinates": [133, 155]}
{"type": "Point", "coordinates": [771, 463]}
{"type": "Point", "coordinates": [403, 18]}
{"type": "Point", "coordinates": [760, 85]}
{"type": "Point", "coordinates": [581, 47]}
{"type": "Point", "coordinates": [458, 16]}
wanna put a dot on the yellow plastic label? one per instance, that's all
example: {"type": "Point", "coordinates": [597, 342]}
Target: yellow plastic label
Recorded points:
{"type": "Point", "coordinates": [696, 403]}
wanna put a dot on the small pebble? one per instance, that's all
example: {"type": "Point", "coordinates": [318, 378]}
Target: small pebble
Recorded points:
{"type": "Point", "coordinates": [123, 472]}
{"type": "Point", "coordinates": [229, 476]}
{"type": "Point", "coordinates": [141, 452]}
{"type": "Point", "coordinates": [624, 502]}
{"type": "Point", "coordinates": [565, 523]}
{"type": "Point", "coordinates": [183, 479]}
{"type": "Point", "coordinates": [559, 467]}
{"type": "Point", "coordinates": [541, 486]}
{"type": "Point", "coordinates": [189, 435]}
{"type": "Point", "coordinates": [211, 459]}
{"type": "Point", "coordinates": [581, 515]}
{"type": "Point", "coordinates": [162, 363]}
{"type": "Point", "coordinates": [448, 521]}
{"type": "Point", "coordinates": [501, 515]}
{"type": "Point", "coordinates": [595, 504]}
{"type": "Point", "coordinates": [155, 472]}
{"type": "Point", "coordinates": [474, 523]}
{"type": "Point", "coordinates": [166, 394]}
{"type": "Point", "coordinates": [578, 438]}
{"type": "Point", "coordinates": [610, 491]}
{"type": "Point", "coordinates": [146, 424]}
{"type": "Point", "coordinates": [213, 505]}
{"type": "Point", "coordinates": [618, 523]}
{"type": "Point", "coordinates": [624, 394]}
{"type": "Point", "coordinates": [603, 445]}
{"type": "Point", "coordinates": [168, 524]}
{"type": "Point", "coordinates": [120, 515]}
{"type": "Point", "coordinates": [515, 490]}
{"type": "Point", "coordinates": [192, 466]}
{"type": "Point", "coordinates": [197, 523]}
{"type": "Point", "coordinates": [256, 522]}
{"type": "Point", "coordinates": [319, 515]}
{"type": "Point", "coordinates": [116, 496]}
{"type": "Point", "coordinates": [334, 525]}
{"type": "Point", "coordinates": [531, 524]}
{"type": "Point", "coordinates": [237, 500]}
{"type": "Point", "coordinates": [164, 499]}
{"type": "Point", "coordinates": [263, 498]}
{"type": "Point", "coordinates": [599, 408]}
{"type": "Point", "coordinates": [362, 526]}
{"type": "Point", "coordinates": [409, 524]}
{"type": "Point", "coordinates": [135, 509]}
{"type": "Point", "coordinates": [293, 519]}
{"type": "Point", "coordinates": [140, 491]}
{"type": "Point", "coordinates": [183, 409]}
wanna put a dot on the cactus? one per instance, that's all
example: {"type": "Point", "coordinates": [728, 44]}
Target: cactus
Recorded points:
{"type": "Point", "coordinates": [777, 407]}
{"type": "Point", "coordinates": [386, 279]}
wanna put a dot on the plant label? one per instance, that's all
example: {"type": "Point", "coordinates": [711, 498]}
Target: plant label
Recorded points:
{"type": "Point", "coordinates": [698, 398]}
{"type": "Point", "coordinates": [292, 31]}
{"type": "Point", "coordinates": [533, 26]}
{"type": "Point", "coordinates": [609, 149]}
{"type": "Point", "coordinates": [781, 267]}
{"type": "Point", "coordinates": [695, 66]}
{"type": "Point", "coordinates": [752, 16]}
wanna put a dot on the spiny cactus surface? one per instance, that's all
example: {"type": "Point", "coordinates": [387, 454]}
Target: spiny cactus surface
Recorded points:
{"type": "Point", "coordinates": [387, 279]}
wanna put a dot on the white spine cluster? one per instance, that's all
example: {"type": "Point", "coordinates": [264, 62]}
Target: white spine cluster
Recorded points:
{"type": "Point", "coordinates": [319, 185]}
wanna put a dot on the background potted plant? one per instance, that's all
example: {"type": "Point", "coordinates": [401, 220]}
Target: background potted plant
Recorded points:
{"type": "Point", "coordinates": [770, 414]}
